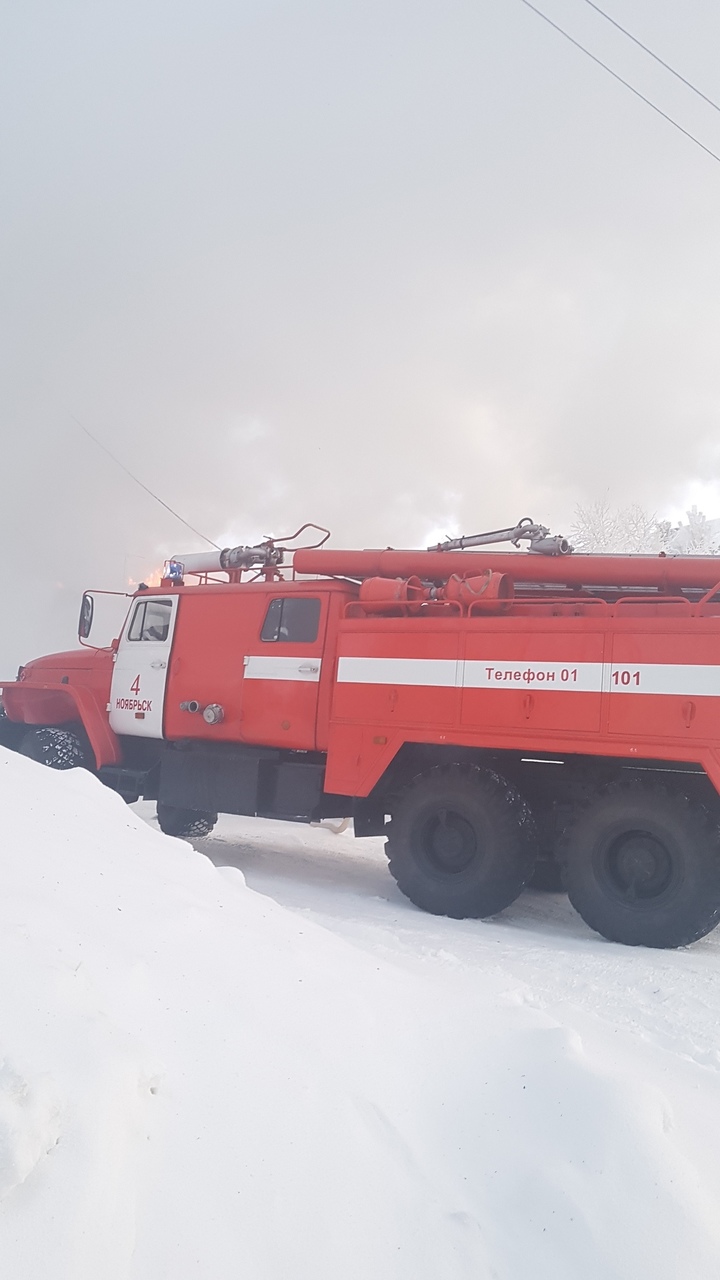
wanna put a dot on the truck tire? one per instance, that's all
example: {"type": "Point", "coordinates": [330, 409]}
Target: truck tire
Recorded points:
{"type": "Point", "coordinates": [11, 733]}
{"type": "Point", "coordinates": [188, 824]}
{"type": "Point", "coordinates": [641, 865]}
{"type": "Point", "coordinates": [56, 748]}
{"type": "Point", "coordinates": [461, 842]}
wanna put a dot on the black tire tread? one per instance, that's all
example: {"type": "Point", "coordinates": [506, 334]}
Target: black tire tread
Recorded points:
{"type": "Point", "coordinates": [54, 747]}
{"type": "Point", "coordinates": [186, 824]}
{"type": "Point", "coordinates": [513, 832]}
{"type": "Point", "coordinates": [702, 831]}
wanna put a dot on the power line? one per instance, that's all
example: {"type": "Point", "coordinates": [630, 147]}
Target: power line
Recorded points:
{"type": "Point", "coordinates": [626, 83]}
{"type": "Point", "coordinates": [645, 49]}
{"type": "Point", "coordinates": [129, 473]}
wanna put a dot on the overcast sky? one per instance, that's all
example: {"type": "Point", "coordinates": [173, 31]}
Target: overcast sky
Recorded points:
{"type": "Point", "coordinates": [397, 266]}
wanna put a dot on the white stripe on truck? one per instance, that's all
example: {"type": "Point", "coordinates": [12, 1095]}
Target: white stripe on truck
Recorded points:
{"type": "Point", "coordinates": [686, 680]}
{"type": "Point", "coordinates": [431, 672]}
{"type": "Point", "coordinates": [272, 667]}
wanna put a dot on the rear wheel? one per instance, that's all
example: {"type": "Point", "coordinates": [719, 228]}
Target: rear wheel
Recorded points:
{"type": "Point", "coordinates": [56, 748]}
{"type": "Point", "coordinates": [461, 842]}
{"type": "Point", "coordinates": [188, 824]}
{"type": "Point", "coordinates": [642, 866]}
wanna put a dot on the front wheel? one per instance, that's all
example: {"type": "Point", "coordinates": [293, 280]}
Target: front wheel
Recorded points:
{"type": "Point", "coordinates": [642, 866]}
{"type": "Point", "coordinates": [188, 824]}
{"type": "Point", "coordinates": [56, 748]}
{"type": "Point", "coordinates": [461, 842]}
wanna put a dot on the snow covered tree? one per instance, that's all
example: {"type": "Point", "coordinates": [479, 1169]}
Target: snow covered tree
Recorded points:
{"type": "Point", "coordinates": [600, 528]}
{"type": "Point", "coordinates": [699, 537]}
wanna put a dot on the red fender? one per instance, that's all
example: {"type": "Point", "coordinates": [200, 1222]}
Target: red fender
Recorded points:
{"type": "Point", "coordinates": [60, 704]}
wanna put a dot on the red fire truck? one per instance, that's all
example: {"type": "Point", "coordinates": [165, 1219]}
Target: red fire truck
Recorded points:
{"type": "Point", "coordinates": [494, 714]}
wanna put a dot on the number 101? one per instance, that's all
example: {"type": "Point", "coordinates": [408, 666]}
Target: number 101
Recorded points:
{"type": "Point", "coordinates": [626, 677]}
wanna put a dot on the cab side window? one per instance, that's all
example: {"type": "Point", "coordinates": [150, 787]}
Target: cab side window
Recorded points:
{"type": "Point", "coordinates": [151, 620]}
{"type": "Point", "coordinates": [293, 619]}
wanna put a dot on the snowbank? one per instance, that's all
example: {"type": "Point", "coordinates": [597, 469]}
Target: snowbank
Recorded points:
{"type": "Point", "coordinates": [197, 1082]}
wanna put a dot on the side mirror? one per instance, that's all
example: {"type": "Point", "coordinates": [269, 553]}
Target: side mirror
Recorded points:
{"type": "Point", "coordinates": [87, 609]}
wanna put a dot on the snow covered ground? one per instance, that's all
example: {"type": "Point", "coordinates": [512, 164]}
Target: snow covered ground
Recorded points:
{"type": "Point", "coordinates": [304, 1076]}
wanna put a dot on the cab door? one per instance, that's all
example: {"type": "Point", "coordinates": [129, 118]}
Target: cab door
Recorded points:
{"type": "Point", "coordinates": [282, 668]}
{"type": "Point", "coordinates": [137, 691]}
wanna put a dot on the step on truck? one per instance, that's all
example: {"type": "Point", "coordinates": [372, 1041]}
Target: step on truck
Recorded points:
{"type": "Point", "coordinates": [501, 717]}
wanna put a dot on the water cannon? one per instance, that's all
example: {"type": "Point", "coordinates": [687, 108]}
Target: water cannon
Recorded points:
{"type": "Point", "coordinates": [539, 537]}
{"type": "Point", "coordinates": [266, 557]}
